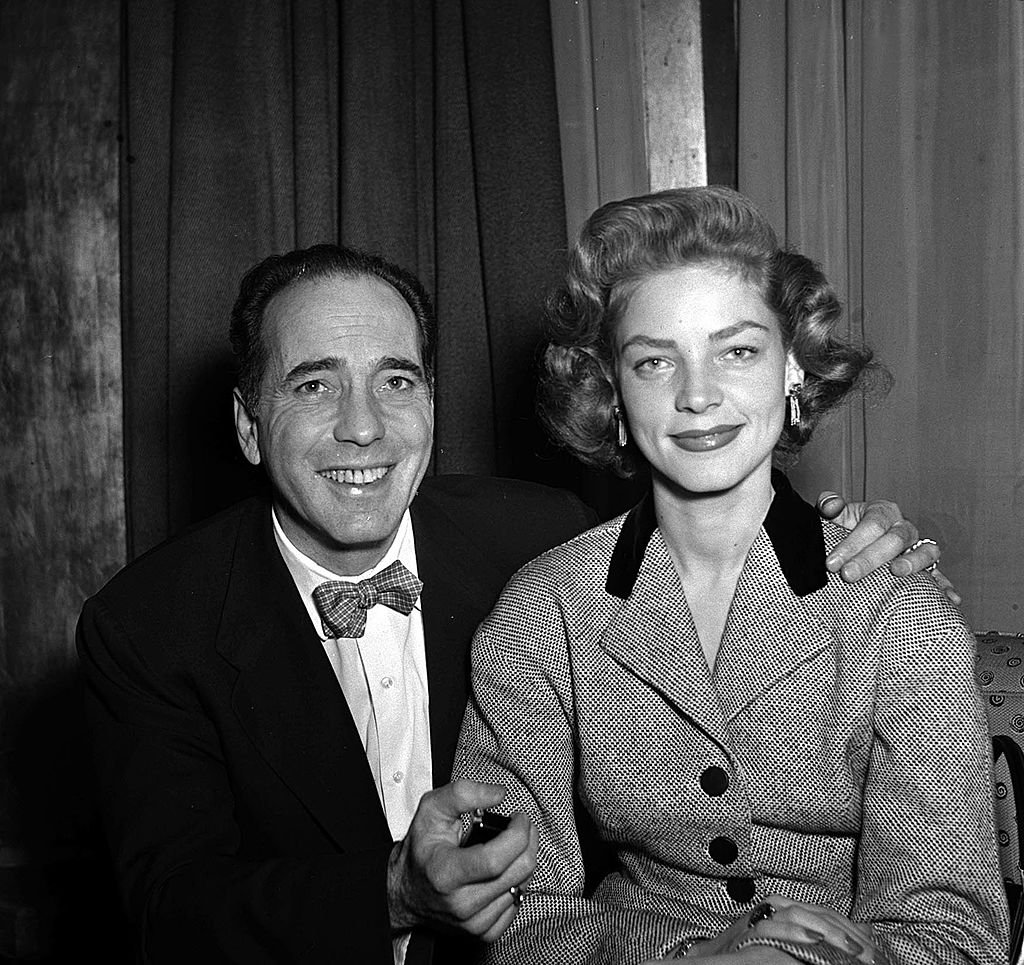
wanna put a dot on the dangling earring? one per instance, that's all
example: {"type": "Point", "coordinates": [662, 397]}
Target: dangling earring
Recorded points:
{"type": "Point", "coordinates": [620, 428]}
{"type": "Point", "coordinates": [794, 404]}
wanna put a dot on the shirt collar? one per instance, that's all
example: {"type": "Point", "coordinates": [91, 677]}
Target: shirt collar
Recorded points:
{"type": "Point", "coordinates": [792, 526]}
{"type": "Point", "coordinates": [308, 574]}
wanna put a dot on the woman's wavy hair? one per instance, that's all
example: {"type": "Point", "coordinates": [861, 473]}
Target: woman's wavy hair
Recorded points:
{"type": "Point", "coordinates": [625, 242]}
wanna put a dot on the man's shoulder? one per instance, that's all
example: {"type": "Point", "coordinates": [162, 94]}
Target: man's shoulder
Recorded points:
{"type": "Point", "coordinates": [495, 494]}
{"type": "Point", "coordinates": [507, 520]}
{"type": "Point", "coordinates": [193, 560]}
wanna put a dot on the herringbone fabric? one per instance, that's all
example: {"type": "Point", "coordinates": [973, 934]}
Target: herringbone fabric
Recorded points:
{"type": "Point", "coordinates": [839, 750]}
{"type": "Point", "coordinates": [342, 606]}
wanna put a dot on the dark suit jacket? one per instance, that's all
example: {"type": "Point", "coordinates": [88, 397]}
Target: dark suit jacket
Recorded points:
{"type": "Point", "coordinates": [241, 811]}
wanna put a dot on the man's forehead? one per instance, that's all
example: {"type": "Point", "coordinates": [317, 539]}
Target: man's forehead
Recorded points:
{"type": "Point", "coordinates": [338, 307]}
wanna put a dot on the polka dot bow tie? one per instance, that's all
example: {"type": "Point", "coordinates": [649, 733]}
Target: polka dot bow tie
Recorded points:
{"type": "Point", "coordinates": [342, 606]}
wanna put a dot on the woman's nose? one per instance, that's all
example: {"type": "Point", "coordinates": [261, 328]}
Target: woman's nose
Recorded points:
{"type": "Point", "coordinates": [698, 388]}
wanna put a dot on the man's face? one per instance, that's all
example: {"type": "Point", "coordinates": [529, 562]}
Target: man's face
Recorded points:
{"type": "Point", "coordinates": [345, 420]}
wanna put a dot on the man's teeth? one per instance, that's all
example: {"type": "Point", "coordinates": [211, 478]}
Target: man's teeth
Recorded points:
{"type": "Point", "coordinates": [355, 477]}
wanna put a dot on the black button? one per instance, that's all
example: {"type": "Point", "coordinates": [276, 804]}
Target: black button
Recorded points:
{"type": "Point", "coordinates": [714, 781]}
{"type": "Point", "coordinates": [740, 889]}
{"type": "Point", "coordinates": [723, 850]}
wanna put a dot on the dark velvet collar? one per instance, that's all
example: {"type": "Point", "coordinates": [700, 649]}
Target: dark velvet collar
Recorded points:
{"type": "Point", "coordinates": [792, 526]}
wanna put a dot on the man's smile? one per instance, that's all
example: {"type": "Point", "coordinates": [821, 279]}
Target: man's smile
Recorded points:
{"type": "Point", "coordinates": [355, 477]}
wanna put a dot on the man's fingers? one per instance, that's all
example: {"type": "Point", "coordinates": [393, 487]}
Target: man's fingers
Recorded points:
{"type": "Point", "coordinates": [504, 861]}
{"type": "Point", "coordinates": [461, 796]}
{"type": "Point", "coordinates": [921, 555]}
{"type": "Point", "coordinates": [830, 504]}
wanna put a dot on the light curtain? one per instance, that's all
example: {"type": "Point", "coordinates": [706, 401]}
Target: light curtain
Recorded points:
{"type": "Point", "coordinates": [887, 141]}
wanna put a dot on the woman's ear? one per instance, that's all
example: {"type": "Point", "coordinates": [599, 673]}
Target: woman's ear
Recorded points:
{"type": "Point", "coordinates": [794, 372]}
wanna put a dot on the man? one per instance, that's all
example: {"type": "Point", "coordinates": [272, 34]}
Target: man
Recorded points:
{"type": "Point", "coordinates": [264, 732]}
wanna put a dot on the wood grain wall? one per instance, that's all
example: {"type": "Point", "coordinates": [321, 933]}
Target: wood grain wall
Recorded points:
{"type": "Point", "coordinates": [61, 512]}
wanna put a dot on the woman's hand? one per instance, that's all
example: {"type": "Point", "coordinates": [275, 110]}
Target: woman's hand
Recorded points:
{"type": "Point", "coordinates": [788, 920]}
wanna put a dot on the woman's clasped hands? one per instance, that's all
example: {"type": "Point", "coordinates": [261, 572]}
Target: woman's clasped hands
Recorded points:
{"type": "Point", "coordinates": [754, 938]}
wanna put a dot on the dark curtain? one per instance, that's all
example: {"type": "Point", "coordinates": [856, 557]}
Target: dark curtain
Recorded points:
{"type": "Point", "coordinates": [425, 131]}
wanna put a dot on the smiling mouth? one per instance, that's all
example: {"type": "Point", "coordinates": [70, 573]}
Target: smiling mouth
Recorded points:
{"type": "Point", "coordinates": [355, 477]}
{"type": "Point", "coordinates": [705, 440]}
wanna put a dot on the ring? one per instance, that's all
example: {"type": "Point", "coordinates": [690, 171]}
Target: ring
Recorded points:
{"type": "Point", "coordinates": [930, 568]}
{"type": "Point", "coordinates": [517, 895]}
{"type": "Point", "coordinates": [762, 912]}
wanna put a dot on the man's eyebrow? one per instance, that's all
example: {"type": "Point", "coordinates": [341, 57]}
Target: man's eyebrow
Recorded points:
{"type": "Point", "coordinates": [400, 364]}
{"type": "Point", "coordinates": [731, 330]}
{"type": "Point", "coordinates": [311, 367]}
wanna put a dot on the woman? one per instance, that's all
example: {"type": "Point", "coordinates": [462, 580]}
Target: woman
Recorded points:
{"type": "Point", "coordinates": [783, 766]}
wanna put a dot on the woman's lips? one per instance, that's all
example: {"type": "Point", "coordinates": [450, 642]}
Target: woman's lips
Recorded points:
{"type": "Point", "coordinates": [705, 440]}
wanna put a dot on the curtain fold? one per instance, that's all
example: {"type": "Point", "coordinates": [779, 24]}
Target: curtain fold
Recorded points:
{"type": "Point", "coordinates": [424, 131]}
{"type": "Point", "coordinates": [887, 140]}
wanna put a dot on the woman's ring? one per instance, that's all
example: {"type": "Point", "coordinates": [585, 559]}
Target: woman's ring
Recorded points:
{"type": "Point", "coordinates": [762, 912]}
{"type": "Point", "coordinates": [517, 895]}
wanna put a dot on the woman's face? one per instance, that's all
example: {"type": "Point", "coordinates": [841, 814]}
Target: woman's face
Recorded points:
{"type": "Point", "coordinates": [702, 377]}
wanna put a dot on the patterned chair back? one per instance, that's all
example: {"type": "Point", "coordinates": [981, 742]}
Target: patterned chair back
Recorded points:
{"type": "Point", "coordinates": [1000, 672]}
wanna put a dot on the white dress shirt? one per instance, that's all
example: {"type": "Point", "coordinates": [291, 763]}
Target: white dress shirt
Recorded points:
{"type": "Point", "coordinates": [383, 675]}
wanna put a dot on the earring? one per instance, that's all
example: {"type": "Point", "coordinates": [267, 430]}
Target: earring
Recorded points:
{"type": "Point", "coordinates": [794, 404]}
{"type": "Point", "coordinates": [620, 428]}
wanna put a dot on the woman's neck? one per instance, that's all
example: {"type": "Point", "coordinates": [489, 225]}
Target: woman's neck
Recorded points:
{"type": "Point", "coordinates": [712, 532]}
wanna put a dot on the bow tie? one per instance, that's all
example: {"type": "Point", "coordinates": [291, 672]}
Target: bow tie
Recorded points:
{"type": "Point", "coordinates": [342, 606]}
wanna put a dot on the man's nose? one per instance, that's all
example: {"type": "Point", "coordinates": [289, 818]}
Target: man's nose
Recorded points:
{"type": "Point", "coordinates": [698, 388]}
{"type": "Point", "coordinates": [359, 418]}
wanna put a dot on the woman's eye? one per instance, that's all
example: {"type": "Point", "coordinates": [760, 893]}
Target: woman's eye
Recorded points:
{"type": "Point", "coordinates": [741, 352]}
{"type": "Point", "coordinates": [651, 365]}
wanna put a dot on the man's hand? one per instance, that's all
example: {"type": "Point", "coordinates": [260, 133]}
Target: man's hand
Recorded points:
{"type": "Point", "coordinates": [433, 881]}
{"type": "Point", "coordinates": [879, 535]}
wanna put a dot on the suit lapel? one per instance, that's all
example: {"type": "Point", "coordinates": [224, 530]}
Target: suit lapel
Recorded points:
{"type": "Point", "coordinates": [452, 610]}
{"type": "Point", "coordinates": [658, 643]}
{"type": "Point", "coordinates": [770, 632]}
{"type": "Point", "coordinates": [286, 695]}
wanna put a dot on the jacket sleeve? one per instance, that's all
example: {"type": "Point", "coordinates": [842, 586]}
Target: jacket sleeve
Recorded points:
{"type": "Point", "coordinates": [518, 732]}
{"type": "Point", "coordinates": [172, 822]}
{"type": "Point", "coordinates": [928, 872]}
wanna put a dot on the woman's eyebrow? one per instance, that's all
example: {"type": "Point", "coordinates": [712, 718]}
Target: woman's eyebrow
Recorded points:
{"type": "Point", "coordinates": [730, 330]}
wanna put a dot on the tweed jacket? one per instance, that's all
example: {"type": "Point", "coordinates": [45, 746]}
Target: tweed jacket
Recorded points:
{"type": "Point", "coordinates": [243, 818]}
{"type": "Point", "coordinates": [838, 753]}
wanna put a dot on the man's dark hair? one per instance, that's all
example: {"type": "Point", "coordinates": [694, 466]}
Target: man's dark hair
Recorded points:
{"type": "Point", "coordinates": [276, 273]}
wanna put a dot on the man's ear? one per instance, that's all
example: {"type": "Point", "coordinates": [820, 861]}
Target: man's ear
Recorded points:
{"type": "Point", "coordinates": [247, 430]}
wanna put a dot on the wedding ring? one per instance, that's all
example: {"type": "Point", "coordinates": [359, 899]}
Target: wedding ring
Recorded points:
{"type": "Point", "coordinates": [517, 895]}
{"type": "Point", "coordinates": [762, 912]}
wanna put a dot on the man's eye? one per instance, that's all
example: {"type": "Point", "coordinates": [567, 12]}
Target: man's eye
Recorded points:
{"type": "Point", "coordinates": [398, 383]}
{"type": "Point", "coordinates": [312, 387]}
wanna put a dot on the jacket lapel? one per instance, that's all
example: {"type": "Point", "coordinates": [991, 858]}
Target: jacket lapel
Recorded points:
{"type": "Point", "coordinates": [769, 634]}
{"type": "Point", "coordinates": [658, 643]}
{"type": "Point", "coordinates": [286, 695]}
{"type": "Point", "coordinates": [452, 610]}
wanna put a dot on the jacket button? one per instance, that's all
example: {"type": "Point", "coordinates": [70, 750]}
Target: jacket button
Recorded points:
{"type": "Point", "coordinates": [714, 781]}
{"type": "Point", "coordinates": [723, 850]}
{"type": "Point", "coordinates": [740, 889]}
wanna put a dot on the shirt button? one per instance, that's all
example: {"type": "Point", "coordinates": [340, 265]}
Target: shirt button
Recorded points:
{"type": "Point", "coordinates": [387, 682]}
{"type": "Point", "coordinates": [397, 777]}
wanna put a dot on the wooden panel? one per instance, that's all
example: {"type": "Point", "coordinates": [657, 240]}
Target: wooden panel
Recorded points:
{"type": "Point", "coordinates": [61, 514]}
{"type": "Point", "coordinates": [674, 93]}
